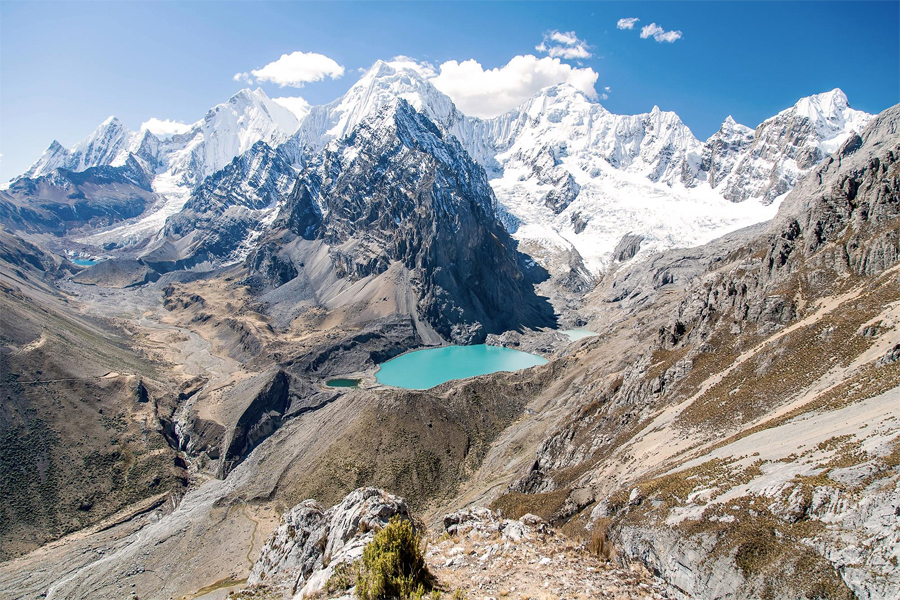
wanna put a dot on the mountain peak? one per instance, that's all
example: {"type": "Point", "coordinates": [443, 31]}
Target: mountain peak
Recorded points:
{"type": "Point", "coordinates": [247, 96]}
{"type": "Point", "coordinates": [381, 85]}
{"type": "Point", "coordinates": [825, 105]}
{"type": "Point", "coordinates": [399, 64]}
{"type": "Point", "coordinates": [730, 127]}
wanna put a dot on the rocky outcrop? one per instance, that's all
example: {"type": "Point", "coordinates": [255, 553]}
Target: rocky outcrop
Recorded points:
{"type": "Point", "coordinates": [378, 342]}
{"type": "Point", "coordinates": [310, 542]}
{"type": "Point", "coordinates": [259, 420]}
{"type": "Point", "coordinates": [628, 247]}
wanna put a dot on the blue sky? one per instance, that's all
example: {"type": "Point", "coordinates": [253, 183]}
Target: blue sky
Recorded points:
{"type": "Point", "coordinates": [65, 67]}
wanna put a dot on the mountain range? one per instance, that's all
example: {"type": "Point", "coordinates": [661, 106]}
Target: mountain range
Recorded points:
{"type": "Point", "coordinates": [558, 165]}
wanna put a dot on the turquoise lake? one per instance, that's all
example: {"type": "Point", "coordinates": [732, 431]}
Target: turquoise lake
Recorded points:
{"type": "Point", "coordinates": [425, 369]}
{"type": "Point", "coordinates": [84, 262]}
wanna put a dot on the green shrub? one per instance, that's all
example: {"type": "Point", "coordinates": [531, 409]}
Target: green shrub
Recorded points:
{"type": "Point", "coordinates": [393, 564]}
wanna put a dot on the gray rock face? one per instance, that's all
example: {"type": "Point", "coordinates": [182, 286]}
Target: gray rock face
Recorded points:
{"type": "Point", "coordinates": [378, 342]}
{"type": "Point", "coordinates": [117, 273]}
{"type": "Point", "coordinates": [398, 189]}
{"type": "Point", "coordinates": [310, 542]}
{"type": "Point", "coordinates": [724, 149]}
{"type": "Point", "coordinates": [226, 213]}
{"type": "Point", "coordinates": [627, 247]}
{"type": "Point", "coordinates": [261, 418]}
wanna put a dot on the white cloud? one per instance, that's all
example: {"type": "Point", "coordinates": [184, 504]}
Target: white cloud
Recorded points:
{"type": "Point", "coordinates": [295, 104]}
{"type": "Point", "coordinates": [564, 44]}
{"type": "Point", "coordinates": [294, 70]}
{"type": "Point", "coordinates": [490, 92]}
{"type": "Point", "coordinates": [627, 23]}
{"type": "Point", "coordinates": [564, 37]}
{"type": "Point", "coordinates": [165, 127]}
{"type": "Point", "coordinates": [659, 34]}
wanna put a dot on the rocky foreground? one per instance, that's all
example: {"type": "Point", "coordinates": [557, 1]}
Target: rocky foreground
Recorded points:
{"type": "Point", "coordinates": [476, 553]}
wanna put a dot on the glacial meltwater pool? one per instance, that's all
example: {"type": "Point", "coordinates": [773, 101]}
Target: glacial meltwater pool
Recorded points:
{"type": "Point", "coordinates": [84, 262]}
{"type": "Point", "coordinates": [425, 369]}
{"type": "Point", "coordinates": [577, 334]}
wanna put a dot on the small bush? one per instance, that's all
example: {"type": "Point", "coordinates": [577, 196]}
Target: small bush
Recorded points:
{"type": "Point", "coordinates": [393, 565]}
{"type": "Point", "coordinates": [342, 578]}
{"type": "Point", "coordinates": [599, 544]}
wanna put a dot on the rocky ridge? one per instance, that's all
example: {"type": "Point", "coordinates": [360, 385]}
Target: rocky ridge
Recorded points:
{"type": "Point", "coordinates": [478, 553]}
{"type": "Point", "coordinates": [710, 442]}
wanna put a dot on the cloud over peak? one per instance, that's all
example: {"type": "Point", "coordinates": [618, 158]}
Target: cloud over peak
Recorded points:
{"type": "Point", "coordinates": [659, 34]}
{"type": "Point", "coordinates": [294, 70]}
{"type": "Point", "coordinates": [164, 127]}
{"type": "Point", "coordinates": [297, 105]}
{"type": "Point", "coordinates": [564, 44]}
{"type": "Point", "coordinates": [487, 93]}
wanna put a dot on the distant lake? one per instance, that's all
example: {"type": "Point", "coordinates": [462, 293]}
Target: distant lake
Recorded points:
{"type": "Point", "coordinates": [577, 334]}
{"type": "Point", "coordinates": [84, 262]}
{"type": "Point", "coordinates": [425, 369]}
{"type": "Point", "coordinates": [343, 383]}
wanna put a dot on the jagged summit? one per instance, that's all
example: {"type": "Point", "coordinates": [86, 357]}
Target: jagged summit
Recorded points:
{"type": "Point", "coordinates": [729, 125]}
{"type": "Point", "coordinates": [398, 191]}
{"type": "Point", "coordinates": [827, 103]}
{"type": "Point", "coordinates": [382, 84]}
{"type": "Point", "coordinates": [108, 144]}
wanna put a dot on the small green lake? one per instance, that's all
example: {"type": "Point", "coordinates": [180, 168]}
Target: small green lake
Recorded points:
{"type": "Point", "coordinates": [343, 383]}
{"type": "Point", "coordinates": [84, 262]}
{"type": "Point", "coordinates": [425, 369]}
{"type": "Point", "coordinates": [577, 334]}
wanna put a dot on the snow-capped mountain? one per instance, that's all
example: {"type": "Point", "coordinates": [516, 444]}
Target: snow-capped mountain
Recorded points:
{"type": "Point", "coordinates": [400, 194]}
{"type": "Point", "coordinates": [724, 149]}
{"type": "Point", "coordinates": [228, 130]}
{"type": "Point", "coordinates": [562, 122]}
{"type": "Point", "coordinates": [381, 85]}
{"type": "Point", "coordinates": [109, 145]}
{"type": "Point", "coordinates": [177, 164]}
{"type": "Point", "coordinates": [785, 147]}
{"type": "Point", "coordinates": [226, 213]}
{"type": "Point", "coordinates": [568, 175]}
